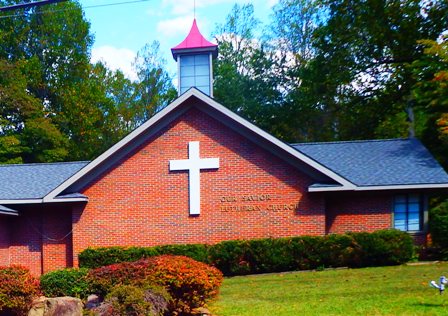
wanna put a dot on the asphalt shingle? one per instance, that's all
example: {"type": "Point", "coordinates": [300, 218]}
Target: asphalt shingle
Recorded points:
{"type": "Point", "coordinates": [378, 162]}
{"type": "Point", "coordinates": [34, 181]}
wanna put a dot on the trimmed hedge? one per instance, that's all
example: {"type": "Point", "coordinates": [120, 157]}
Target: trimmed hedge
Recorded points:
{"type": "Point", "coordinates": [65, 282]}
{"type": "Point", "coordinates": [239, 257]}
{"type": "Point", "coordinates": [98, 257]}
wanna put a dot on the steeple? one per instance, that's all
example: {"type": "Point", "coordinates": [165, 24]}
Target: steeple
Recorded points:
{"type": "Point", "coordinates": [194, 62]}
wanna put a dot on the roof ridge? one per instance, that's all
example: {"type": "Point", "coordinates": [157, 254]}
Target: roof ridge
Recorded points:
{"type": "Point", "coordinates": [43, 163]}
{"type": "Point", "coordinates": [352, 141]}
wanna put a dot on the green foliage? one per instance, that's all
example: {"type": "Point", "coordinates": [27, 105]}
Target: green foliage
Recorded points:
{"type": "Point", "coordinates": [438, 224]}
{"type": "Point", "coordinates": [26, 134]}
{"type": "Point", "coordinates": [239, 257]}
{"type": "Point", "coordinates": [98, 257]}
{"type": "Point", "coordinates": [66, 282]}
{"type": "Point", "coordinates": [198, 252]}
{"type": "Point", "coordinates": [131, 300]}
{"type": "Point", "coordinates": [55, 104]}
{"type": "Point", "coordinates": [382, 248]}
{"type": "Point", "coordinates": [190, 283]}
{"type": "Point", "coordinates": [387, 247]}
{"type": "Point", "coordinates": [18, 288]}
{"type": "Point", "coordinates": [338, 70]}
{"type": "Point", "coordinates": [430, 93]}
{"type": "Point", "coordinates": [102, 280]}
{"type": "Point", "coordinates": [244, 80]}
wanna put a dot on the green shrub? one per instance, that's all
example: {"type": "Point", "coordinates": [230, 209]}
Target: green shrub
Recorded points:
{"type": "Point", "coordinates": [198, 252]}
{"type": "Point", "coordinates": [190, 283]}
{"type": "Point", "coordinates": [18, 288]}
{"type": "Point", "coordinates": [131, 300]}
{"type": "Point", "coordinates": [65, 282]}
{"type": "Point", "coordinates": [269, 255]}
{"type": "Point", "coordinates": [98, 257]}
{"type": "Point", "coordinates": [102, 280]}
{"type": "Point", "coordinates": [383, 247]}
{"type": "Point", "coordinates": [239, 257]}
{"type": "Point", "coordinates": [230, 257]}
{"type": "Point", "coordinates": [438, 224]}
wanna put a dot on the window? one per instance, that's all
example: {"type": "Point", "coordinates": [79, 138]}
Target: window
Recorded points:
{"type": "Point", "coordinates": [195, 72]}
{"type": "Point", "coordinates": [408, 212]}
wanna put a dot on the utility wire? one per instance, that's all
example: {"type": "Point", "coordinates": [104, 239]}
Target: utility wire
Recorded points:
{"type": "Point", "coordinates": [69, 9]}
{"type": "Point", "coordinates": [28, 5]}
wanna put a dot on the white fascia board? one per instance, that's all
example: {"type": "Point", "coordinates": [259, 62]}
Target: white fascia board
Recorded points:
{"type": "Point", "coordinates": [22, 201]}
{"type": "Point", "coordinates": [9, 213]}
{"type": "Point", "coordinates": [381, 187]}
{"type": "Point", "coordinates": [329, 189]}
{"type": "Point", "coordinates": [403, 187]}
{"type": "Point", "coordinates": [68, 200]}
{"type": "Point", "coordinates": [38, 201]}
{"type": "Point", "coordinates": [51, 195]}
{"type": "Point", "coordinates": [206, 99]}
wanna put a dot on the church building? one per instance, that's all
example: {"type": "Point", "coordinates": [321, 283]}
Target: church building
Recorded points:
{"type": "Point", "coordinates": [198, 173]}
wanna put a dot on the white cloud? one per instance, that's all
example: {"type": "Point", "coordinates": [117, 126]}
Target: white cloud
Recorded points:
{"type": "Point", "coordinates": [182, 7]}
{"type": "Point", "coordinates": [272, 3]}
{"type": "Point", "coordinates": [116, 58]}
{"type": "Point", "coordinates": [174, 27]}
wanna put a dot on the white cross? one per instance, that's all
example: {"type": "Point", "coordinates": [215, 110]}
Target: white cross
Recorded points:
{"type": "Point", "coordinates": [194, 165]}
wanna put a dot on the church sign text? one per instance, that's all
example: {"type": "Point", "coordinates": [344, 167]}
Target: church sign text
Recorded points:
{"type": "Point", "coordinates": [254, 203]}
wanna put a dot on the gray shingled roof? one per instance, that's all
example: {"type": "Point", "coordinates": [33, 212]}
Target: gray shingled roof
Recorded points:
{"type": "Point", "coordinates": [364, 163]}
{"type": "Point", "coordinates": [378, 162]}
{"type": "Point", "coordinates": [34, 181]}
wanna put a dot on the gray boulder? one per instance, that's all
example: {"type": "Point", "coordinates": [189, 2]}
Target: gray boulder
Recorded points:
{"type": "Point", "coordinates": [58, 306]}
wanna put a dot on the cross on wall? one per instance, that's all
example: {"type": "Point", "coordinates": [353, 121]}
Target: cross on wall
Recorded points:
{"type": "Point", "coordinates": [194, 164]}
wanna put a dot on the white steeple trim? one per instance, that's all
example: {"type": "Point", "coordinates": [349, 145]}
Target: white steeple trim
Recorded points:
{"type": "Point", "coordinates": [194, 164]}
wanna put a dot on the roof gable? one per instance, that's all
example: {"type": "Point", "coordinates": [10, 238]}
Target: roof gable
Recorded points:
{"type": "Point", "coordinates": [192, 97]}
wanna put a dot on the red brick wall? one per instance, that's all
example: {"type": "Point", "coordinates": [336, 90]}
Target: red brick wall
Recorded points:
{"type": "Point", "coordinates": [39, 238]}
{"type": "Point", "coordinates": [26, 241]}
{"type": "Point", "coordinates": [357, 212]}
{"type": "Point", "coordinates": [4, 240]}
{"type": "Point", "coordinates": [57, 238]}
{"type": "Point", "coordinates": [140, 202]}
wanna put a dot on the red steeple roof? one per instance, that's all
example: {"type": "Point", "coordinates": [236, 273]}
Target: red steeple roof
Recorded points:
{"type": "Point", "coordinates": [193, 41]}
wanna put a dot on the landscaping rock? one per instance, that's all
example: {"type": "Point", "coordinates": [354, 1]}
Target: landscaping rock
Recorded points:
{"type": "Point", "coordinates": [92, 301]}
{"type": "Point", "coordinates": [59, 306]}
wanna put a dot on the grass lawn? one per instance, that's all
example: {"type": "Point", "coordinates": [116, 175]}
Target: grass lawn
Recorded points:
{"type": "Point", "coordinates": [400, 290]}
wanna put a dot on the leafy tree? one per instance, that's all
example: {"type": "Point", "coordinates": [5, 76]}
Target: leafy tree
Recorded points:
{"type": "Point", "coordinates": [361, 77]}
{"type": "Point", "coordinates": [27, 134]}
{"type": "Point", "coordinates": [244, 71]}
{"type": "Point", "coordinates": [89, 106]}
{"type": "Point", "coordinates": [291, 36]}
{"type": "Point", "coordinates": [154, 89]}
{"type": "Point", "coordinates": [430, 94]}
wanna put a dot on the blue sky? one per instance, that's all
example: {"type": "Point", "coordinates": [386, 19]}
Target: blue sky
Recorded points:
{"type": "Point", "coordinates": [121, 30]}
